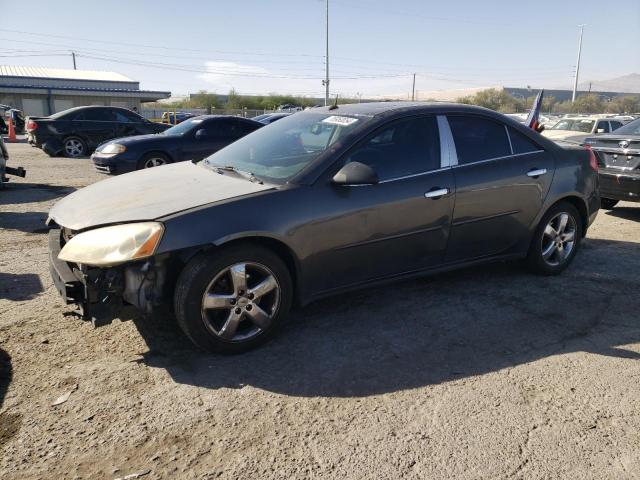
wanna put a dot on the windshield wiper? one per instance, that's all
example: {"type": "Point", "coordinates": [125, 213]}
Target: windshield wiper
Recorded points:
{"type": "Point", "coordinates": [248, 175]}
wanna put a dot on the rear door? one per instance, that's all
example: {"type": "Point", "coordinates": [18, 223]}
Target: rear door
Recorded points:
{"type": "Point", "coordinates": [502, 178]}
{"type": "Point", "coordinates": [95, 125]}
{"type": "Point", "coordinates": [397, 226]}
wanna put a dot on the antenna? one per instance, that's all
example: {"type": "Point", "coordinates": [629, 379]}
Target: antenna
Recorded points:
{"type": "Point", "coordinates": [335, 105]}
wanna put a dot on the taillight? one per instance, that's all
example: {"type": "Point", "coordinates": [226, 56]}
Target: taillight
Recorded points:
{"type": "Point", "coordinates": [31, 126]}
{"type": "Point", "coordinates": [593, 161]}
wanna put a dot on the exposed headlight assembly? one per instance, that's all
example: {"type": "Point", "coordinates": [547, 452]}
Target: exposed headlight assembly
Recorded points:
{"type": "Point", "coordinates": [109, 246]}
{"type": "Point", "coordinates": [113, 149]}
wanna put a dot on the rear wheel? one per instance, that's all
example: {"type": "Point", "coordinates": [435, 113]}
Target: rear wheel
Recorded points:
{"type": "Point", "coordinates": [233, 300]}
{"type": "Point", "coordinates": [151, 160]}
{"type": "Point", "coordinates": [608, 203]}
{"type": "Point", "coordinates": [74, 147]}
{"type": "Point", "coordinates": [556, 240]}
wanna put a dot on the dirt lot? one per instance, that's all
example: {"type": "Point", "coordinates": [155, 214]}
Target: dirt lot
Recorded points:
{"type": "Point", "coordinates": [482, 373]}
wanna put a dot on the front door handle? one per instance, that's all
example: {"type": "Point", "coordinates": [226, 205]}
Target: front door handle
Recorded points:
{"type": "Point", "coordinates": [536, 172]}
{"type": "Point", "coordinates": [436, 193]}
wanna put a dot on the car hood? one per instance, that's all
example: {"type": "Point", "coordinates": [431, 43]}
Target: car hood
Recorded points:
{"type": "Point", "coordinates": [139, 139]}
{"type": "Point", "coordinates": [148, 195]}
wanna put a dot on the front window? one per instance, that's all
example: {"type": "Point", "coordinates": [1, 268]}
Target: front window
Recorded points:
{"type": "Point", "coordinates": [184, 127]}
{"type": "Point", "coordinates": [577, 125]}
{"type": "Point", "coordinates": [279, 151]}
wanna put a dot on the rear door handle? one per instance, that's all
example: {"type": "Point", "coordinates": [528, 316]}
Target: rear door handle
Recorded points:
{"type": "Point", "coordinates": [536, 172]}
{"type": "Point", "coordinates": [436, 193]}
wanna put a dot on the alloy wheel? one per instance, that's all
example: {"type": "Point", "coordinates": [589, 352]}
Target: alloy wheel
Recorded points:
{"type": "Point", "coordinates": [154, 162]}
{"type": "Point", "coordinates": [558, 239]}
{"type": "Point", "coordinates": [74, 147]}
{"type": "Point", "coordinates": [241, 302]}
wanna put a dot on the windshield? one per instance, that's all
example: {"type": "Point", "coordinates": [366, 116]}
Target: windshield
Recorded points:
{"type": "Point", "coordinates": [578, 125]}
{"type": "Point", "coordinates": [631, 128]}
{"type": "Point", "coordinates": [280, 150]}
{"type": "Point", "coordinates": [183, 127]}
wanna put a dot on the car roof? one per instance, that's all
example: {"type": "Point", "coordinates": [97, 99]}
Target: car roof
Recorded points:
{"type": "Point", "coordinates": [225, 117]}
{"type": "Point", "coordinates": [380, 108]}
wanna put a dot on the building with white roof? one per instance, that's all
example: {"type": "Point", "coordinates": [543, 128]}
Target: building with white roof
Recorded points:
{"type": "Point", "coordinates": [40, 91]}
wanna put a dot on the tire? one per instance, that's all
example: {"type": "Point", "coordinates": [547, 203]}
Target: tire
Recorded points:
{"type": "Point", "coordinates": [550, 253]}
{"type": "Point", "coordinates": [608, 204]}
{"type": "Point", "coordinates": [74, 147]}
{"type": "Point", "coordinates": [154, 159]}
{"type": "Point", "coordinates": [233, 323]}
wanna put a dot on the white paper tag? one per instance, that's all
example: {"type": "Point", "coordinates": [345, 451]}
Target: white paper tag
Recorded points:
{"type": "Point", "coordinates": [338, 120]}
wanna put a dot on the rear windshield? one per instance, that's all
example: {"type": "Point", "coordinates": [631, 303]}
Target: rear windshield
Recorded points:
{"type": "Point", "coordinates": [574, 125]}
{"type": "Point", "coordinates": [631, 128]}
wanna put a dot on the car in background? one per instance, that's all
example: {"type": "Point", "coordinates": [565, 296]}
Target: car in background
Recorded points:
{"type": "Point", "coordinates": [575, 129]}
{"type": "Point", "coordinates": [272, 117]}
{"type": "Point", "coordinates": [193, 139]}
{"type": "Point", "coordinates": [6, 112]}
{"type": "Point", "coordinates": [76, 132]}
{"type": "Point", "coordinates": [176, 117]}
{"type": "Point", "coordinates": [324, 201]}
{"type": "Point", "coordinates": [619, 157]}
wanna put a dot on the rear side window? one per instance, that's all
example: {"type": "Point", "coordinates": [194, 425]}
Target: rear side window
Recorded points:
{"type": "Point", "coordinates": [406, 147]}
{"type": "Point", "coordinates": [97, 114]}
{"type": "Point", "coordinates": [521, 143]}
{"type": "Point", "coordinates": [125, 117]}
{"type": "Point", "coordinates": [478, 138]}
{"type": "Point", "coordinates": [245, 128]}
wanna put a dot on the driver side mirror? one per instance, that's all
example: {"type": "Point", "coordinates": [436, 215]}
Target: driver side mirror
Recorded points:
{"type": "Point", "coordinates": [355, 173]}
{"type": "Point", "coordinates": [200, 134]}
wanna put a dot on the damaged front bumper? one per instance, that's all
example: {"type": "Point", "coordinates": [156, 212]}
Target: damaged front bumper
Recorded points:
{"type": "Point", "coordinates": [100, 293]}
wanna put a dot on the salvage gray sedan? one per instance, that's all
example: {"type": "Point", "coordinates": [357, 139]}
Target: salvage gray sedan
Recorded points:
{"type": "Point", "coordinates": [323, 201]}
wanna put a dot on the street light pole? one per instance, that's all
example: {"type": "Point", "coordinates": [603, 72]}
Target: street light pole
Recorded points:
{"type": "Point", "coordinates": [575, 81]}
{"type": "Point", "coordinates": [326, 79]}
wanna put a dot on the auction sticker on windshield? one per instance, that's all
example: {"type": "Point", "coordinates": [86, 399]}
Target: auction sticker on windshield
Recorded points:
{"type": "Point", "coordinates": [338, 120]}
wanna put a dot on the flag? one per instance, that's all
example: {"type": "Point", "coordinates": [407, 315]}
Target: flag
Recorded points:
{"type": "Point", "coordinates": [534, 115]}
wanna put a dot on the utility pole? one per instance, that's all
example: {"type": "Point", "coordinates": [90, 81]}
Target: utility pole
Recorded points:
{"type": "Point", "coordinates": [575, 82]}
{"type": "Point", "coordinates": [325, 82]}
{"type": "Point", "coordinates": [73, 55]}
{"type": "Point", "coordinates": [413, 89]}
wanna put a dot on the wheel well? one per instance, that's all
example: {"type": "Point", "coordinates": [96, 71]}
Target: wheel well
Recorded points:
{"type": "Point", "coordinates": [156, 152]}
{"type": "Point", "coordinates": [276, 246]}
{"type": "Point", "coordinates": [582, 209]}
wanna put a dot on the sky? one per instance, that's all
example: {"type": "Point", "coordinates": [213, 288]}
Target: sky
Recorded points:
{"type": "Point", "coordinates": [375, 46]}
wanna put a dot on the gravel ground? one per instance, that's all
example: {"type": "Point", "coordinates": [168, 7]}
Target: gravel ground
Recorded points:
{"type": "Point", "coordinates": [483, 373]}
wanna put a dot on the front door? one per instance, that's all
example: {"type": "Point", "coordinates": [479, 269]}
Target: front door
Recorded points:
{"type": "Point", "coordinates": [397, 226]}
{"type": "Point", "coordinates": [502, 178]}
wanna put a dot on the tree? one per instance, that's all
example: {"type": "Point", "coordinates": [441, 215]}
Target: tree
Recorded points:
{"type": "Point", "coordinates": [498, 100]}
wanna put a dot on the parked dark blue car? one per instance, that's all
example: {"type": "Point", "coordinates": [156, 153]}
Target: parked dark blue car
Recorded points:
{"type": "Point", "coordinates": [193, 139]}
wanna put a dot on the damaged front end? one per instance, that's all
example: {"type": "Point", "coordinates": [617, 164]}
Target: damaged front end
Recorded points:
{"type": "Point", "coordinates": [101, 292]}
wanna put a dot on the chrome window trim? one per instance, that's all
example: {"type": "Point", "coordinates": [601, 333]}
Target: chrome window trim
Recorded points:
{"type": "Point", "coordinates": [506, 130]}
{"type": "Point", "coordinates": [448, 153]}
{"type": "Point", "coordinates": [498, 158]}
{"type": "Point", "coordinates": [404, 177]}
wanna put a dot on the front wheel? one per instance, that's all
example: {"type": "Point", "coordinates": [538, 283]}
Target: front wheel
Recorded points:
{"type": "Point", "coordinates": [608, 203]}
{"type": "Point", "coordinates": [151, 160]}
{"type": "Point", "coordinates": [556, 240]}
{"type": "Point", "coordinates": [233, 300]}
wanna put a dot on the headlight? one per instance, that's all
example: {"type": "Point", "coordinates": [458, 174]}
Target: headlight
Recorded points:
{"type": "Point", "coordinates": [108, 246]}
{"type": "Point", "coordinates": [113, 148]}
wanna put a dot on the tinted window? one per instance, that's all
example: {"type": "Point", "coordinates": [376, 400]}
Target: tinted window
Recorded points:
{"type": "Point", "coordinates": [521, 143]}
{"type": "Point", "coordinates": [478, 138]}
{"type": "Point", "coordinates": [245, 128]}
{"type": "Point", "coordinates": [406, 147]}
{"type": "Point", "coordinates": [124, 116]}
{"type": "Point", "coordinates": [615, 125]}
{"type": "Point", "coordinates": [603, 126]}
{"type": "Point", "coordinates": [96, 114]}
